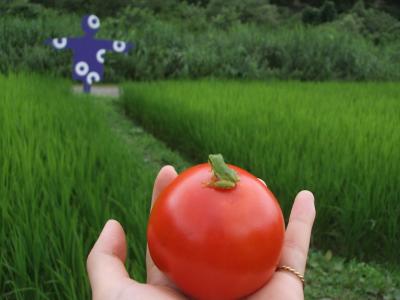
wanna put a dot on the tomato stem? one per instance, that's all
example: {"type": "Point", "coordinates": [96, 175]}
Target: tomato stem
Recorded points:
{"type": "Point", "coordinates": [223, 176]}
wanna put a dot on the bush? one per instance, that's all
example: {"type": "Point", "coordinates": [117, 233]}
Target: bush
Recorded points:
{"type": "Point", "coordinates": [247, 11]}
{"type": "Point", "coordinates": [350, 22]}
{"type": "Point", "coordinates": [359, 8]}
{"type": "Point", "coordinates": [194, 16]}
{"type": "Point", "coordinates": [314, 16]}
{"type": "Point", "coordinates": [98, 7]}
{"type": "Point", "coordinates": [259, 12]}
{"type": "Point", "coordinates": [24, 10]}
{"type": "Point", "coordinates": [22, 43]}
{"type": "Point", "coordinates": [380, 27]}
{"type": "Point", "coordinates": [311, 15]}
{"type": "Point", "coordinates": [328, 12]}
{"type": "Point", "coordinates": [224, 47]}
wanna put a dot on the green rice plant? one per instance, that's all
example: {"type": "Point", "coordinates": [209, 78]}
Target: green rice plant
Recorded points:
{"type": "Point", "coordinates": [62, 175]}
{"type": "Point", "coordinates": [339, 140]}
{"type": "Point", "coordinates": [64, 172]}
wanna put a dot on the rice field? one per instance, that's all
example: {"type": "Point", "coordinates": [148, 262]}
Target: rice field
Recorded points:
{"type": "Point", "coordinates": [70, 162]}
{"type": "Point", "coordinates": [62, 175]}
{"type": "Point", "coordinates": [339, 140]}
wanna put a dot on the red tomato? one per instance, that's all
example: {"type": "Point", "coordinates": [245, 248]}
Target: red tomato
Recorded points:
{"type": "Point", "coordinates": [216, 243]}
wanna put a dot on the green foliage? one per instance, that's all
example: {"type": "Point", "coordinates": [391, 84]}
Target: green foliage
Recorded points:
{"type": "Point", "coordinates": [359, 8]}
{"type": "Point", "coordinates": [62, 175]}
{"type": "Point", "coordinates": [216, 41]}
{"type": "Point", "coordinates": [156, 6]}
{"type": "Point", "coordinates": [223, 16]}
{"type": "Point", "coordinates": [248, 11]}
{"type": "Point", "coordinates": [195, 17]}
{"type": "Point", "coordinates": [314, 16]}
{"type": "Point", "coordinates": [98, 7]}
{"type": "Point", "coordinates": [338, 140]}
{"type": "Point", "coordinates": [226, 18]}
{"type": "Point", "coordinates": [22, 9]}
{"type": "Point", "coordinates": [379, 26]}
{"type": "Point", "coordinates": [166, 7]}
{"type": "Point", "coordinates": [311, 15]}
{"type": "Point", "coordinates": [350, 22]}
{"type": "Point", "coordinates": [328, 12]}
{"type": "Point", "coordinates": [22, 43]}
{"type": "Point", "coordinates": [260, 12]}
{"type": "Point", "coordinates": [375, 25]}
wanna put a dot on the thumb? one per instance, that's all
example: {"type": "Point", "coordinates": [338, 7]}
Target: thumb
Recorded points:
{"type": "Point", "coordinates": [105, 263]}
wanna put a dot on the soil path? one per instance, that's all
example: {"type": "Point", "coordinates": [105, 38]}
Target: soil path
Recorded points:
{"type": "Point", "coordinates": [111, 91]}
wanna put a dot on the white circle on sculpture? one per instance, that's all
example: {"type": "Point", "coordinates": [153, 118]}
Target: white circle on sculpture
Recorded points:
{"type": "Point", "coordinates": [60, 43]}
{"type": "Point", "coordinates": [93, 22]}
{"type": "Point", "coordinates": [100, 55]}
{"type": "Point", "coordinates": [92, 76]}
{"type": "Point", "coordinates": [81, 68]}
{"type": "Point", "coordinates": [119, 46]}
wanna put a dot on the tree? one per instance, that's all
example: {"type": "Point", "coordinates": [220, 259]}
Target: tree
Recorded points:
{"type": "Point", "coordinates": [311, 15]}
{"type": "Point", "coordinates": [328, 12]}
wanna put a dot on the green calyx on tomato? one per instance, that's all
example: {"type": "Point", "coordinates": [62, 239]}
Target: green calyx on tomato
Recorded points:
{"type": "Point", "coordinates": [223, 176]}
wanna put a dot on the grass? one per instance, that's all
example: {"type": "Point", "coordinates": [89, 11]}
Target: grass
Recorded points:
{"type": "Point", "coordinates": [67, 164]}
{"type": "Point", "coordinates": [334, 278]}
{"type": "Point", "coordinates": [62, 175]}
{"type": "Point", "coordinates": [339, 140]}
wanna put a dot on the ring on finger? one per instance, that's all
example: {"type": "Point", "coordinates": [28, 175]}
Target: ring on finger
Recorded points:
{"type": "Point", "coordinates": [294, 272]}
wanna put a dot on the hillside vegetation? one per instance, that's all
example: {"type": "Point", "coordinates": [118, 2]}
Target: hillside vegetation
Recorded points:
{"type": "Point", "coordinates": [249, 39]}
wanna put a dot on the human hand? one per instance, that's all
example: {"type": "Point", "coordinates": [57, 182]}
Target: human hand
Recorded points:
{"type": "Point", "coordinates": [110, 280]}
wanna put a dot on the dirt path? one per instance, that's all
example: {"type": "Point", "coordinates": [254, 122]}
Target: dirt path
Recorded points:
{"type": "Point", "coordinates": [155, 153]}
{"type": "Point", "coordinates": [111, 91]}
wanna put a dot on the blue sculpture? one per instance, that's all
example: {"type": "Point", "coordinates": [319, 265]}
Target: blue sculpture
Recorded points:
{"type": "Point", "coordinates": [88, 52]}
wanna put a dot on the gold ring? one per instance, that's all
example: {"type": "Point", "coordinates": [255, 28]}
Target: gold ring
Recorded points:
{"type": "Point", "coordinates": [294, 272]}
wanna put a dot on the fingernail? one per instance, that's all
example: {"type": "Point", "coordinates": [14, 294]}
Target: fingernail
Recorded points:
{"type": "Point", "coordinates": [262, 181]}
{"type": "Point", "coordinates": [307, 194]}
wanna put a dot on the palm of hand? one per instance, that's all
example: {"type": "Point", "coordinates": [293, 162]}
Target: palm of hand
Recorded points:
{"type": "Point", "coordinates": [110, 280]}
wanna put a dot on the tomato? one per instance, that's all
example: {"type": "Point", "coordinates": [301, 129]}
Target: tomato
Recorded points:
{"type": "Point", "coordinates": [213, 241]}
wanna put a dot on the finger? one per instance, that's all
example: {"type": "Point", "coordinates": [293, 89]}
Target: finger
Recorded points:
{"type": "Point", "coordinates": [294, 254]}
{"type": "Point", "coordinates": [105, 263]}
{"type": "Point", "coordinates": [298, 232]}
{"type": "Point", "coordinates": [154, 276]}
{"type": "Point", "coordinates": [166, 175]}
